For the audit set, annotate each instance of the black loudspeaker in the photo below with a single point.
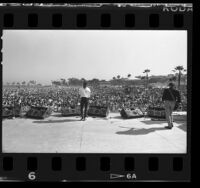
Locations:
(131, 113)
(156, 112)
(67, 111)
(99, 111)
(7, 111)
(38, 112)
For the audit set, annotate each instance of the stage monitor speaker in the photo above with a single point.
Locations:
(99, 111)
(16, 111)
(131, 113)
(180, 116)
(24, 110)
(156, 112)
(67, 111)
(7, 111)
(38, 112)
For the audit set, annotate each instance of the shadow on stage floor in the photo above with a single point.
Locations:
(134, 131)
(60, 115)
(151, 122)
(120, 117)
(182, 126)
(116, 117)
(57, 121)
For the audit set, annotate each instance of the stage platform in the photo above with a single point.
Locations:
(57, 134)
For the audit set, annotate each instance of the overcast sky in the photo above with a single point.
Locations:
(45, 55)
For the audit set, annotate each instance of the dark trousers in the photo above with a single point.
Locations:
(169, 106)
(84, 104)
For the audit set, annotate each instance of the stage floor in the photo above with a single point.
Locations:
(57, 134)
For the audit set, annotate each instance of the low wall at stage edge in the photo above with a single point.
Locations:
(180, 116)
(98, 111)
(159, 113)
(17, 111)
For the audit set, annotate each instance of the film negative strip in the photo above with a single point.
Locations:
(124, 54)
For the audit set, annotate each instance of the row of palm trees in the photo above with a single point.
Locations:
(178, 70)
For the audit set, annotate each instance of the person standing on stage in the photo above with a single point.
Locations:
(85, 95)
(171, 97)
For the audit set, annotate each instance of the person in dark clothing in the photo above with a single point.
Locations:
(85, 95)
(170, 96)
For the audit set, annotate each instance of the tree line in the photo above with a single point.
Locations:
(178, 74)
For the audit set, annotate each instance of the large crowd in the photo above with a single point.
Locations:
(114, 97)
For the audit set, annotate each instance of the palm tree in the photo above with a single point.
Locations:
(114, 78)
(147, 76)
(172, 79)
(129, 75)
(118, 76)
(179, 69)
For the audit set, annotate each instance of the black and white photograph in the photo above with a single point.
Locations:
(94, 91)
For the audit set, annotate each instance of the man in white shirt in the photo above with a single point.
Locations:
(85, 95)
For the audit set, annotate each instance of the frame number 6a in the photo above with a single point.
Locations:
(130, 176)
